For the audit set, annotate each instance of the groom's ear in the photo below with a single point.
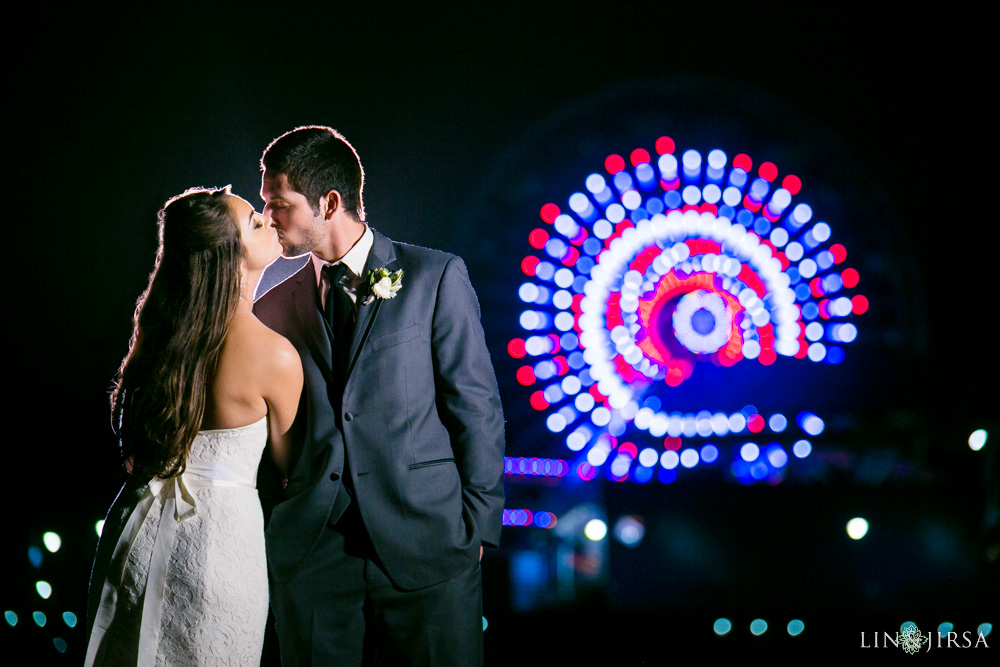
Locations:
(329, 204)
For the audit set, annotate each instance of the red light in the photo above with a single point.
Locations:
(664, 145)
(768, 171)
(816, 287)
(670, 185)
(556, 348)
(561, 366)
(549, 213)
(850, 277)
(767, 357)
(743, 161)
(526, 375)
(596, 393)
(756, 423)
(538, 401)
(537, 238)
(792, 183)
(572, 254)
(628, 449)
(839, 253)
(614, 163)
(674, 377)
(528, 265)
(708, 208)
(824, 309)
(585, 471)
(580, 237)
(515, 348)
(859, 304)
(749, 203)
(785, 262)
(671, 443)
(638, 156)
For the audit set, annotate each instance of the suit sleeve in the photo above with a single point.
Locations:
(468, 400)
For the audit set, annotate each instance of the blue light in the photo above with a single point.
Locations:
(758, 626)
(69, 618)
(555, 248)
(35, 557)
(832, 283)
(795, 627)
(810, 423)
(60, 644)
(726, 212)
(666, 476)
(672, 199)
(545, 370)
(810, 311)
(809, 241)
(692, 165)
(709, 453)
(758, 470)
(642, 475)
(579, 283)
(10, 617)
(545, 270)
(722, 626)
(592, 246)
(759, 188)
(39, 618)
(542, 519)
(576, 360)
(654, 205)
(638, 214)
(793, 274)
(553, 393)
(585, 264)
(653, 403)
(569, 341)
(802, 449)
(777, 422)
(801, 214)
(622, 181)
(802, 292)
(834, 355)
(646, 176)
(776, 456)
(945, 628)
(737, 178)
(985, 629)
(762, 226)
(744, 217)
(825, 259)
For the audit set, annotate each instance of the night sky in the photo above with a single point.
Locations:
(467, 121)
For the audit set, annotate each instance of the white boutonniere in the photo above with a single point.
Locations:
(383, 284)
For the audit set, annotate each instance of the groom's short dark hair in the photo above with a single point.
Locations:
(316, 159)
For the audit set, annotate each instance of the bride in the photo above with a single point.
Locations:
(180, 576)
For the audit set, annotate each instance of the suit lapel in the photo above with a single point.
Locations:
(382, 255)
(306, 297)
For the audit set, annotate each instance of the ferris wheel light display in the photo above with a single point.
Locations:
(661, 263)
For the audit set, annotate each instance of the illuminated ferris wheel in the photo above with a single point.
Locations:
(663, 263)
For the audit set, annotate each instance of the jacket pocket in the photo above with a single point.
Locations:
(424, 464)
(394, 338)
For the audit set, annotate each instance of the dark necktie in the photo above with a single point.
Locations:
(339, 310)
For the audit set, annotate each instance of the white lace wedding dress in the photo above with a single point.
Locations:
(187, 584)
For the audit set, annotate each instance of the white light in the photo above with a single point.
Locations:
(564, 277)
(821, 231)
(807, 268)
(712, 193)
(52, 541)
(777, 422)
(597, 455)
(794, 251)
(737, 422)
(691, 195)
(689, 458)
(556, 422)
(817, 352)
(615, 213)
(977, 440)
(528, 292)
(596, 530)
(631, 200)
(99, 527)
(584, 402)
(716, 159)
(814, 331)
(669, 459)
(564, 321)
(731, 196)
(668, 166)
(692, 160)
(579, 203)
(802, 214)
(603, 229)
(857, 528)
(562, 299)
(802, 449)
(596, 183)
(779, 236)
(749, 452)
(44, 589)
(601, 416)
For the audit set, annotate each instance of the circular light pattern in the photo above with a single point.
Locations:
(596, 530)
(977, 440)
(857, 528)
(658, 265)
(795, 627)
(758, 626)
(52, 541)
(722, 626)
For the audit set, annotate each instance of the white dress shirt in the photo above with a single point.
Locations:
(354, 260)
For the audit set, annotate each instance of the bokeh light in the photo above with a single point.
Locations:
(722, 626)
(795, 627)
(857, 528)
(977, 440)
(596, 530)
(52, 541)
(758, 626)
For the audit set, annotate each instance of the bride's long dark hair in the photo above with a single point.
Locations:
(179, 325)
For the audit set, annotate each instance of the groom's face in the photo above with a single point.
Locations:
(300, 227)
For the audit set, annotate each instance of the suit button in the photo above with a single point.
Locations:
(334, 476)
(348, 416)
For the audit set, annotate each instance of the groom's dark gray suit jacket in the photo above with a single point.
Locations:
(419, 420)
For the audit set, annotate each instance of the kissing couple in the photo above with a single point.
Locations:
(355, 400)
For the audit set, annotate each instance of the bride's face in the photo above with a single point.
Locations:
(259, 238)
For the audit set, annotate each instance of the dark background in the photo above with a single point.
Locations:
(468, 120)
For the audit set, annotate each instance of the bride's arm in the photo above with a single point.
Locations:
(281, 392)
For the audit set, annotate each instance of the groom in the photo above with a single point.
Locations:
(398, 483)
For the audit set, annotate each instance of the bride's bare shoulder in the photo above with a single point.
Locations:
(251, 340)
